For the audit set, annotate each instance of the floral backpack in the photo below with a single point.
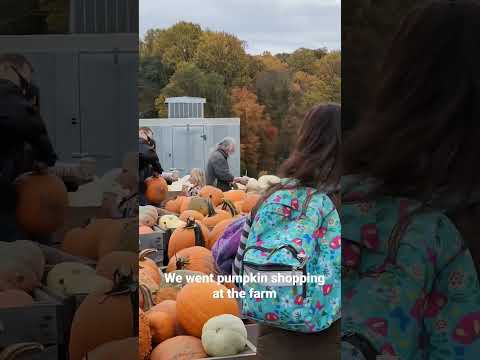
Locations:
(295, 236)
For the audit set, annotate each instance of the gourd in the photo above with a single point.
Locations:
(187, 214)
(70, 278)
(224, 335)
(147, 215)
(214, 194)
(156, 191)
(179, 347)
(234, 195)
(144, 336)
(162, 326)
(195, 258)
(117, 260)
(250, 202)
(193, 233)
(196, 304)
(218, 231)
(14, 298)
(41, 205)
(118, 349)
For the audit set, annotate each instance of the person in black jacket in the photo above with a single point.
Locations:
(24, 142)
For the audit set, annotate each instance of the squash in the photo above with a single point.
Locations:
(170, 222)
(81, 242)
(250, 202)
(196, 305)
(41, 205)
(194, 258)
(166, 293)
(149, 265)
(147, 215)
(224, 335)
(220, 215)
(70, 278)
(212, 193)
(144, 336)
(234, 195)
(175, 204)
(199, 204)
(143, 230)
(191, 214)
(192, 234)
(218, 231)
(169, 307)
(15, 275)
(27, 253)
(14, 298)
(113, 235)
(104, 317)
(162, 326)
(117, 260)
(179, 347)
(156, 191)
(145, 279)
(118, 349)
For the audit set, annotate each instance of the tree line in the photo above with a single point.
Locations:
(269, 93)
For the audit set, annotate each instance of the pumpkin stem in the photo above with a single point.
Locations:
(146, 252)
(181, 263)
(191, 223)
(228, 205)
(147, 297)
(199, 240)
(211, 208)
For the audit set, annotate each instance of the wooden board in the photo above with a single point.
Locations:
(157, 240)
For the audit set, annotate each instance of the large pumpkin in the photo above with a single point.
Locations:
(162, 326)
(42, 202)
(218, 231)
(103, 317)
(250, 202)
(118, 349)
(213, 193)
(144, 336)
(194, 258)
(179, 347)
(193, 233)
(117, 260)
(156, 191)
(234, 195)
(166, 293)
(197, 303)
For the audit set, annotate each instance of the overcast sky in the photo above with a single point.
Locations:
(266, 25)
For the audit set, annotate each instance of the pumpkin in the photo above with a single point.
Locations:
(195, 258)
(144, 336)
(162, 326)
(199, 204)
(213, 193)
(218, 231)
(238, 206)
(187, 214)
(104, 317)
(169, 307)
(193, 233)
(234, 195)
(196, 304)
(145, 298)
(220, 215)
(70, 278)
(42, 201)
(175, 204)
(156, 191)
(179, 347)
(185, 204)
(224, 335)
(113, 235)
(27, 253)
(117, 260)
(149, 265)
(15, 275)
(166, 293)
(80, 242)
(143, 230)
(145, 279)
(147, 215)
(170, 222)
(118, 349)
(253, 186)
(14, 298)
(250, 202)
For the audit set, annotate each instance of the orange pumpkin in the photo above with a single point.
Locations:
(234, 195)
(162, 326)
(211, 192)
(109, 235)
(238, 206)
(144, 336)
(220, 215)
(117, 260)
(194, 258)
(250, 202)
(118, 349)
(168, 293)
(146, 301)
(196, 304)
(156, 191)
(169, 307)
(218, 231)
(42, 202)
(179, 347)
(185, 204)
(143, 229)
(187, 214)
(194, 233)
(14, 298)
(149, 265)
(174, 204)
(80, 242)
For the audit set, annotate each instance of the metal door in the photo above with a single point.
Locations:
(188, 148)
(163, 138)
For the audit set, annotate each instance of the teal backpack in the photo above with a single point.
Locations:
(291, 262)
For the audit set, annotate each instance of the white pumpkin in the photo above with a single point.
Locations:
(16, 275)
(266, 181)
(171, 222)
(71, 278)
(224, 335)
(27, 255)
(148, 215)
(253, 186)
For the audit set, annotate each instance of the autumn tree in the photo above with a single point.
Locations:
(272, 63)
(224, 54)
(153, 76)
(303, 60)
(273, 91)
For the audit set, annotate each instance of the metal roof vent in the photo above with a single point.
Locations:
(185, 107)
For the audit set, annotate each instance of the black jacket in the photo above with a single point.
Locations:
(218, 171)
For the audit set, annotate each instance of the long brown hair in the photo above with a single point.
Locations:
(316, 158)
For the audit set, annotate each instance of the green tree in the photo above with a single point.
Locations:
(273, 91)
(303, 60)
(224, 54)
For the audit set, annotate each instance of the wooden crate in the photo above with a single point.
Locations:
(250, 352)
(49, 353)
(157, 240)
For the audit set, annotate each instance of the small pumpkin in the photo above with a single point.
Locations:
(143, 230)
(224, 335)
(214, 194)
(118, 349)
(191, 214)
(156, 191)
(234, 195)
(218, 231)
(162, 326)
(219, 216)
(196, 304)
(194, 258)
(174, 204)
(144, 336)
(170, 222)
(41, 205)
(166, 293)
(14, 298)
(193, 233)
(238, 206)
(117, 260)
(179, 347)
(250, 202)
(149, 265)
